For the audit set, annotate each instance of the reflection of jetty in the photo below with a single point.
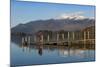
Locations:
(62, 50)
(60, 38)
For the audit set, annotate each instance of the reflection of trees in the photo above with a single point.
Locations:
(40, 49)
(64, 51)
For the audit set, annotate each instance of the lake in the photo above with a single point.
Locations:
(33, 54)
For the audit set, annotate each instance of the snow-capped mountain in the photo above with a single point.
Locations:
(64, 22)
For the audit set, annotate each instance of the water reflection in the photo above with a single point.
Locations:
(63, 50)
(40, 49)
(25, 52)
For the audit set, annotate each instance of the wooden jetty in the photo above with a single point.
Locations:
(61, 38)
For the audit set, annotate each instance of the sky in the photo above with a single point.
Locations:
(23, 12)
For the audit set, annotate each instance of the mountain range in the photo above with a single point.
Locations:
(68, 24)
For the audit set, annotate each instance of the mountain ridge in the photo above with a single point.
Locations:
(54, 25)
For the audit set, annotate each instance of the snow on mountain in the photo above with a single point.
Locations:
(75, 16)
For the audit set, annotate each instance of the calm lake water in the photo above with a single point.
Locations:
(36, 54)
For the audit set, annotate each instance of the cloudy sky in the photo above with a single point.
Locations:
(23, 12)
